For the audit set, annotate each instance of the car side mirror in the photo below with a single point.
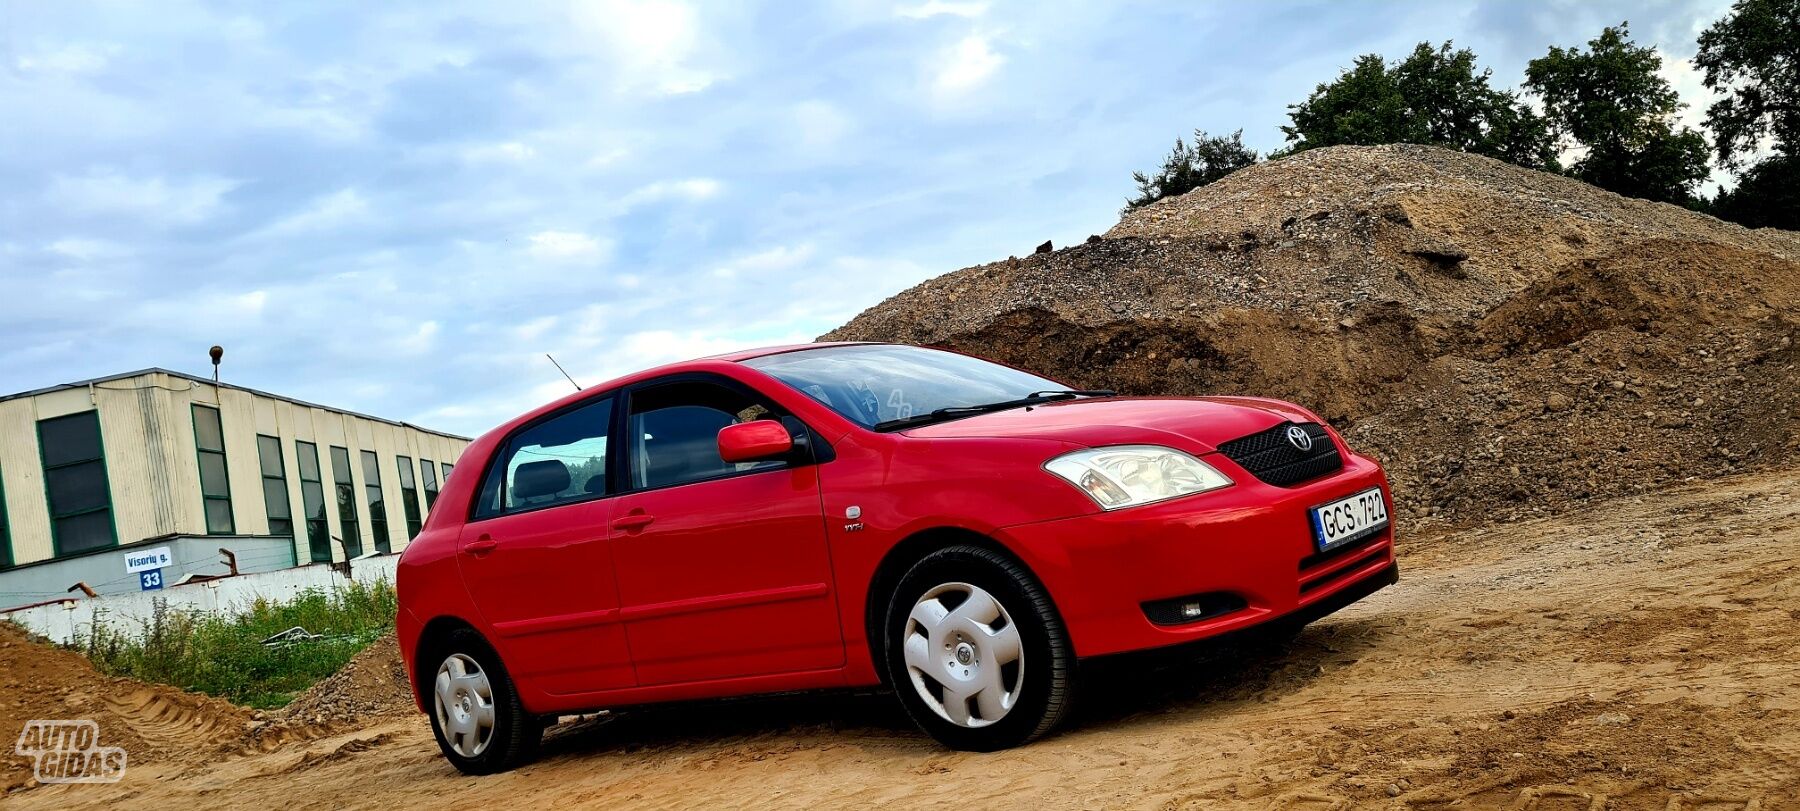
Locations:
(757, 441)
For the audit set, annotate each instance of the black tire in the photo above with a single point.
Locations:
(1045, 675)
(516, 733)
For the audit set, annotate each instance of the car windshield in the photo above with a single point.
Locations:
(876, 385)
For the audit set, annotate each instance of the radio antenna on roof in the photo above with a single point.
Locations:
(565, 372)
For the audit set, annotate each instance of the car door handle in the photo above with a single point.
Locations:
(633, 522)
(480, 546)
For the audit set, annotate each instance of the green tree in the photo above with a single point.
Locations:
(1767, 195)
(1609, 101)
(1433, 96)
(1752, 58)
(1190, 167)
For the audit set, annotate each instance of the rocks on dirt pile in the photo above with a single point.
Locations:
(372, 685)
(1508, 342)
(152, 722)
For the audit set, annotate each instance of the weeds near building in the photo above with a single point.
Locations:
(223, 653)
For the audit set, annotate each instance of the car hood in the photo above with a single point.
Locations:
(1196, 424)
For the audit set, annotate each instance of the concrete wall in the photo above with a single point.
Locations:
(146, 425)
(105, 572)
(63, 622)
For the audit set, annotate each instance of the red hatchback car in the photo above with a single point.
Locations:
(852, 515)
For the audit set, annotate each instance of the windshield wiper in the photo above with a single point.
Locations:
(950, 412)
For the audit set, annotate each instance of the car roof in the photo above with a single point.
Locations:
(748, 354)
(695, 364)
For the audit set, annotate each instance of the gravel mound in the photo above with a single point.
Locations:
(372, 685)
(1508, 342)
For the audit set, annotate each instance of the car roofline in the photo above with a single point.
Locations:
(741, 355)
(693, 364)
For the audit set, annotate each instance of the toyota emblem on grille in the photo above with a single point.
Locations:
(1297, 437)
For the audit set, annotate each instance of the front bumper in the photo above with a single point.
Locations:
(1252, 540)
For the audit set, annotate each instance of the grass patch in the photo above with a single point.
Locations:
(222, 654)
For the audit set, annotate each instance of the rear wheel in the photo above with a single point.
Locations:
(476, 716)
(976, 651)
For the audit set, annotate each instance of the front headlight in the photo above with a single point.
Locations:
(1129, 475)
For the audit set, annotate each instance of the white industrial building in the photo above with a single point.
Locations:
(154, 461)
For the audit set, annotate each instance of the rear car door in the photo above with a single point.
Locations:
(535, 555)
(723, 568)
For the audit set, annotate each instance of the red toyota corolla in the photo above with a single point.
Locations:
(845, 515)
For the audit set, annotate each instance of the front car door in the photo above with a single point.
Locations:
(535, 554)
(723, 568)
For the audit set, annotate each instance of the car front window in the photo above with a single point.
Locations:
(876, 384)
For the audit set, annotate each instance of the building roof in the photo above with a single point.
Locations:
(157, 370)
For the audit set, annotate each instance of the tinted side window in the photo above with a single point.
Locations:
(558, 460)
(674, 430)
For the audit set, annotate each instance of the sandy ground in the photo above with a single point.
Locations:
(1641, 652)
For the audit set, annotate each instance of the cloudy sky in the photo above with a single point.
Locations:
(398, 208)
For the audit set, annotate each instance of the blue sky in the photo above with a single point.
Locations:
(398, 208)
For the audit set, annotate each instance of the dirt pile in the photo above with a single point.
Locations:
(151, 722)
(1509, 342)
(372, 685)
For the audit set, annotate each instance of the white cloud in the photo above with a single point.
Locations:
(936, 8)
(608, 157)
(72, 59)
(567, 246)
(326, 213)
(251, 303)
(780, 258)
(85, 250)
(421, 340)
(1689, 83)
(107, 191)
(507, 152)
(535, 328)
(651, 41)
(691, 189)
(820, 124)
(966, 65)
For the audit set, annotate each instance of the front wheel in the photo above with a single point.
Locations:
(476, 716)
(976, 651)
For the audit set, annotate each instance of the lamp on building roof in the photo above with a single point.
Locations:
(216, 353)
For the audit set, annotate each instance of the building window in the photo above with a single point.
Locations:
(447, 468)
(215, 481)
(345, 486)
(75, 483)
(378, 513)
(428, 477)
(409, 496)
(274, 485)
(312, 502)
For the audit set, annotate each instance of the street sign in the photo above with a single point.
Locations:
(150, 580)
(158, 558)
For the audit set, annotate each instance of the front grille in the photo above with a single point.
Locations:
(1270, 457)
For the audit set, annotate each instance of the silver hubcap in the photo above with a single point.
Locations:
(465, 705)
(964, 655)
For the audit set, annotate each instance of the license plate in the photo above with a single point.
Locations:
(1349, 520)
